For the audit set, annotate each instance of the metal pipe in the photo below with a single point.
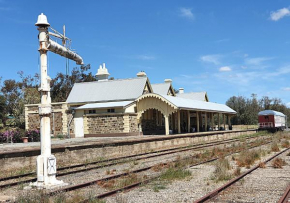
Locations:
(65, 52)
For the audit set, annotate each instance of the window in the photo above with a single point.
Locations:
(110, 110)
(92, 111)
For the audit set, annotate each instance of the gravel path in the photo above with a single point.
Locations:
(196, 186)
(263, 185)
(179, 191)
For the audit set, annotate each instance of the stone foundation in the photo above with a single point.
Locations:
(74, 153)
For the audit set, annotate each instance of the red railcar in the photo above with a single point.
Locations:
(272, 120)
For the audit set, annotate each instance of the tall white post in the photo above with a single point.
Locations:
(46, 162)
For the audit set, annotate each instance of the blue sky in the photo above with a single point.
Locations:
(223, 47)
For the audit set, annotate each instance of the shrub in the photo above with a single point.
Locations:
(11, 135)
(33, 135)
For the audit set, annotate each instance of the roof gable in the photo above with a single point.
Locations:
(163, 89)
(201, 96)
(110, 90)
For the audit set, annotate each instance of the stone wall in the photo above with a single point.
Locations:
(133, 123)
(32, 119)
(105, 124)
(76, 153)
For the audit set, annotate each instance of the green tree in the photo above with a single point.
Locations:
(2, 109)
(62, 84)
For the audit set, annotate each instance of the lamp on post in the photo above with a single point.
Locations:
(46, 162)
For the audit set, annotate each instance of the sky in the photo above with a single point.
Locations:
(226, 48)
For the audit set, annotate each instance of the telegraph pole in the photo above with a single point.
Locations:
(46, 162)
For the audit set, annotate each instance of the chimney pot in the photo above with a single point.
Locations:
(168, 81)
(181, 90)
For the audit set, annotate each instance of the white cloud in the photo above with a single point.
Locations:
(286, 88)
(187, 13)
(257, 61)
(222, 40)
(225, 69)
(214, 58)
(288, 104)
(145, 57)
(281, 13)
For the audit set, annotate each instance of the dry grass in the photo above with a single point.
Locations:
(275, 147)
(278, 163)
(247, 158)
(237, 172)
(285, 144)
(262, 165)
(221, 170)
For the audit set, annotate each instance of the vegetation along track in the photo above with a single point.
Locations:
(233, 181)
(184, 162)
(119, 160)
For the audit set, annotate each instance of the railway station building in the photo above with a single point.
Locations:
(131, 106)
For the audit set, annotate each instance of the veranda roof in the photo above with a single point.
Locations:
(190, 104)
(105, 105)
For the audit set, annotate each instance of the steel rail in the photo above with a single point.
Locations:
(166, 152)
(86, 184)
(119, 158)
(286, 196)
(196, 147)
(231, 182)
(110, 193)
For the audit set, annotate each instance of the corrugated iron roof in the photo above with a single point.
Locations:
(198, 105)
(110, 90)
(270, 112)
(105, 105)
(161, 88)
(193, 95)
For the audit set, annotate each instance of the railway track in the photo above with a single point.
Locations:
(119, 160)
(112, 192)
(286, 196)
(224, 187)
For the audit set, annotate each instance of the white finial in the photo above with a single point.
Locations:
(102, 73)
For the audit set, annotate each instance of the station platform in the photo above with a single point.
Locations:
(61, 145)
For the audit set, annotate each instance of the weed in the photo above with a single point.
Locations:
(175, 174)
(285, 144)
(221, 170)
(91, 198)
(262, 165)
(32, 197)
(60, 198)
(247, 158)
(159, 186)
(278, 163)
(275, 147)
(237, 172)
